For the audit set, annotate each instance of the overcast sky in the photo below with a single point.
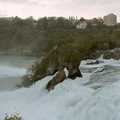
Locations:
(39, 8)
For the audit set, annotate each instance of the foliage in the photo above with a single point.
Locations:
(116, 32)
(34, 37)
(13, 117)
(74, 44)
(102, 42)
(31, 75)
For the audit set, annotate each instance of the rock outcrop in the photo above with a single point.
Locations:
(113, 54)
(67, 56)
(48, 66)
(60, 76)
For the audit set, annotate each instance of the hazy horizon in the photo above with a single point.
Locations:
(79, 8)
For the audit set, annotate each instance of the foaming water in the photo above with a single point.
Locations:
(11, 71)
(103, 104)
(71, 99)
(12, 68)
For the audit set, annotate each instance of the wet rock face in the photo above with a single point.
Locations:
(74, 73)
(114, 55)
(68, 59)
(92, 63)
(60, 76)
(106, 54)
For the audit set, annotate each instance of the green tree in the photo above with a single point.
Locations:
(43, 23)
(51, 23)
(60, 22)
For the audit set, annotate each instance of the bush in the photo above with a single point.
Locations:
(13, 117)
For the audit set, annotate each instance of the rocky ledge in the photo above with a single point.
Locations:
(67, 56)
(108, 54)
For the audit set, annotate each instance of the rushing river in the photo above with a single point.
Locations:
(12, 68)
(95, 96)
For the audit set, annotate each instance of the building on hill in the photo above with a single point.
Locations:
(81, 25)
(110, 19)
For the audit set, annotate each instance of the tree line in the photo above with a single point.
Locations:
(37, 36)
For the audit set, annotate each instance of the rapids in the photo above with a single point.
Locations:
(95, 96)
(12, 68)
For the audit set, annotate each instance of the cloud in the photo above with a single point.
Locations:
(14, 1)
(81, 8)
(33, 3)
(94, 2)
(3, 13)
(87, 7)
(87, 3)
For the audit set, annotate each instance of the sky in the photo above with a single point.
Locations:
(87, 9)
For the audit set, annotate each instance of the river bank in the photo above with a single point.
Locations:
(20, 52)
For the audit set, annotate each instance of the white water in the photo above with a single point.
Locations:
(12, 68)
(11, 71)
(96, 96)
